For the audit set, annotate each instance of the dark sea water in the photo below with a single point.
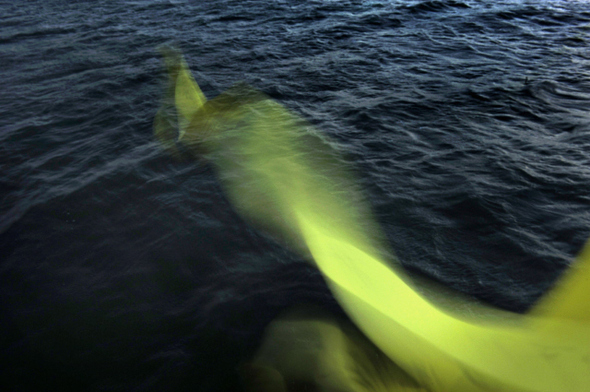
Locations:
(122, 269)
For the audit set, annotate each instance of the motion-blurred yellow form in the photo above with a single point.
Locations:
(285, 177)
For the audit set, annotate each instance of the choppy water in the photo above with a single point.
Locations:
(122, 269)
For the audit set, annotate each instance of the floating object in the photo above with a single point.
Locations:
(286, 178)
(308, 349)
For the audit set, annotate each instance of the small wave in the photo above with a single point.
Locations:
(36, 33)
(435, 6)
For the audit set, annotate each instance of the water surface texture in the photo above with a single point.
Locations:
(123, 269)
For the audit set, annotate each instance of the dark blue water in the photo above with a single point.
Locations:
(123, 269)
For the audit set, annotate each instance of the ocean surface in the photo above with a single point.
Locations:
(123, 269)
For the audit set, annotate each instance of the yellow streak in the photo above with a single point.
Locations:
(286, 178)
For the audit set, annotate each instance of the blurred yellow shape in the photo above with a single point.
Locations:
(308, 350)
(286, 178)
(182, 99)
(570, 298)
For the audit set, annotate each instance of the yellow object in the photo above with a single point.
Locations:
(570, 299)
(282, 175)
(183, 98)
(306, 349)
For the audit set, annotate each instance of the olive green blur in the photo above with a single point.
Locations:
(288, 179)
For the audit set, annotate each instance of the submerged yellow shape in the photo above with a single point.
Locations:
(285, 177)
(570, 298)
(306, 349)
(182, 99)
